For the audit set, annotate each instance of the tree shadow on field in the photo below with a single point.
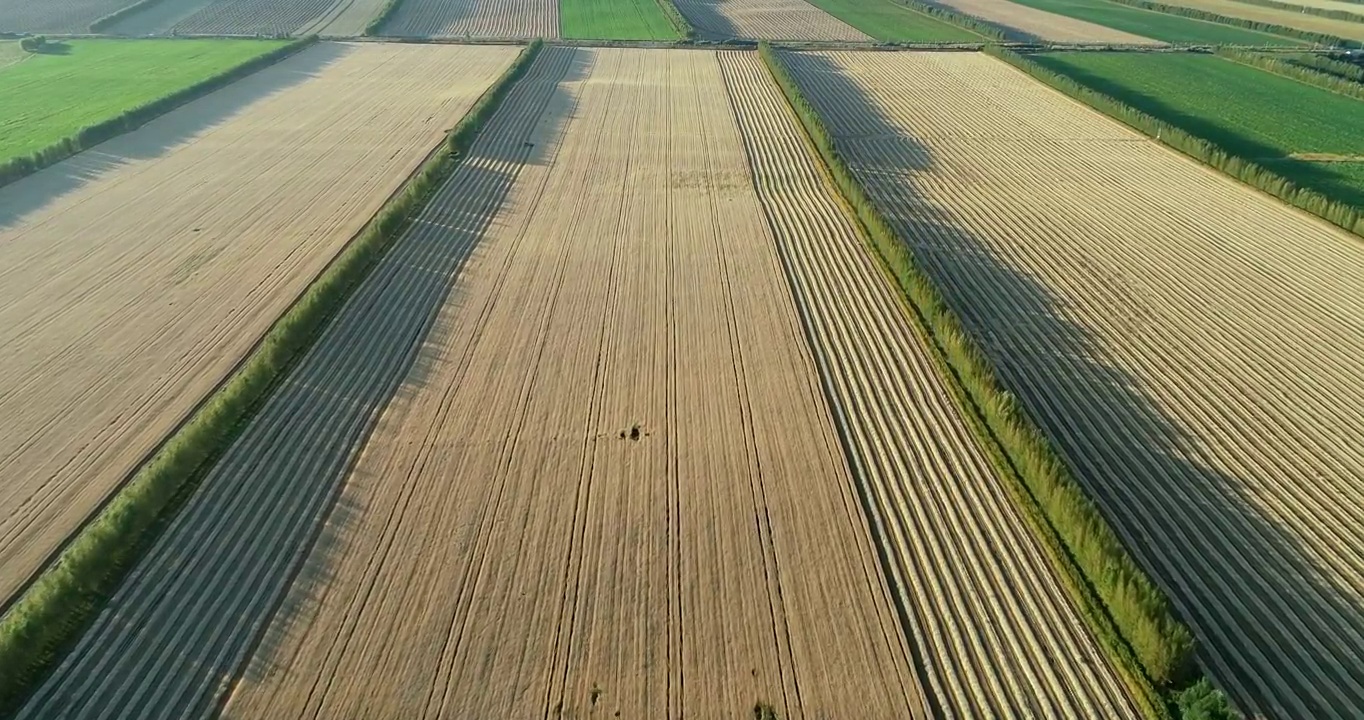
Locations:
(160, 136)
(708, 19)
(1244, 583)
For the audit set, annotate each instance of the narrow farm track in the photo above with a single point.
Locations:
(611, 484)
(55, 16)
(765, 20)
(1033, 23)
(1192, 346)
(134, 276)
(475, 19)
(997, 635)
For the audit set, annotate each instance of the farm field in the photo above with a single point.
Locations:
(765, 20)
(95, 80)
(55, 16)
(891, 21)
(952, 534)
(614, 20)
(1157, 25)
(1287, 18)
(1355, 8)
(1273, 120)
(1030, 22)
(135, 275)
(475, 19)
(607, 477)
(338, 18)
(1188, 343)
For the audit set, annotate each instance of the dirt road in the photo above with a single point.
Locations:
(136, 274)
(1191, 345)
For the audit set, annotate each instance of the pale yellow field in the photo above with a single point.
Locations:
(1042, 24)
(475, 19)
(134, 276)
(1191, 345)
(1347, 29)
(765, 20)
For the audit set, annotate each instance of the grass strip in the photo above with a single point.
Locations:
(1204, 151)
(1196, 14)
(49, 617)
(1308, 10)
(614, 20)
(92, 135)
(377, 24)
(1292, 71)
(123, 12)
(1128, 613)
(1330, 66)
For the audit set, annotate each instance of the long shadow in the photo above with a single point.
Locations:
(1316, 176)
(216, 588)
(160, 136)
(1124, 448)
(709, 21)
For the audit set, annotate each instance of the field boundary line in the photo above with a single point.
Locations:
(1019, 451)
(380, 20)
(675, 18)
(1309, 10)
(1289, 71)
(1205, 152)
(1264, 27)
(129, 120)
(45, 619)
(121, 13)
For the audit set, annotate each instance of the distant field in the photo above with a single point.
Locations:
(1249, 112)
(891, 21)
(1350, 30)
(614, 20)
(1157, 25)
(58, 94)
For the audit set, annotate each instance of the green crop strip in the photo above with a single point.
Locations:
(1284, 135)
(49, 617)
(1156, 25)
(905, 22)
(1129, 615)
(617, 20)
(96, 89)
(1302, 35)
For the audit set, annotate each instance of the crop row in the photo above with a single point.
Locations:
(59, 604)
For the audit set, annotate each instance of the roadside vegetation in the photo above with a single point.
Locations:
(1131, 617)
(617, 20)
(1161, 26)
(49, 617)
(376, 26)
(95, 89)
(1292, 138)
(907, 21)
(1327, 64)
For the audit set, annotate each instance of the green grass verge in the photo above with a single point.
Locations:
(59, 605)
(1127, 612)
(615, 20)
(1157, 25)
(1252, 124)
(65, 103)
(892, 21)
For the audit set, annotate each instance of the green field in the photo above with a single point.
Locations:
(889, 21)
(53, 95)
(1248, 112)
(1157, 25)
(614, 20)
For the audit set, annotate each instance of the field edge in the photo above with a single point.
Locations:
(50, 613)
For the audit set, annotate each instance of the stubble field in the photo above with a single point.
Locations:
(55, 16)
(135, 275)
(340, 18)
(475, 19)
(1034, 23)
(765, 20)
(1186, 341)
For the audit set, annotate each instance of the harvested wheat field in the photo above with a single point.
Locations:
(996, 634)
(765, 20)
(1348, 29)
(136, 274)
(55, 16)
(1033, 23)
(474, 19)
(333, 18)
(606, 478)
(1190, 344)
